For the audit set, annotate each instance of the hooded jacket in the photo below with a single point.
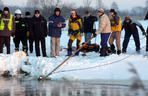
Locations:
(54, 30)
(131, 26)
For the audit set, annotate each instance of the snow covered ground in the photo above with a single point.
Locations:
(113, 67)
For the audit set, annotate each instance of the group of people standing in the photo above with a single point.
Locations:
(35, 29)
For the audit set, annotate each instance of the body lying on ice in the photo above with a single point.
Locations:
(77, 27)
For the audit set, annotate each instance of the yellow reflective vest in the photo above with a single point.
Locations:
(10, 23)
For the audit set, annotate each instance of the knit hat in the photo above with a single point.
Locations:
(112, 10)
(27, 13)
(36, 11)
(6, 9)
(57, 9)
(127, 17)
(101, 10)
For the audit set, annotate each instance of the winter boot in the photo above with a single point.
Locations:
(112, 47)
(77, 53)
(138, 50)
(109, 50)
(118, 52)
(69, 52)
(103, 52)
(147, 49)
(123, 50)
(16, 49)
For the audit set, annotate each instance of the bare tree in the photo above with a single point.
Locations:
(99, 4)
(146, 4)
(87, 3)
(115, 6)
(33, 3)
(1, 3)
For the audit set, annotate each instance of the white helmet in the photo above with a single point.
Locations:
(18, 11)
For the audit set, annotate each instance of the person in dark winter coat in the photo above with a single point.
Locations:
(130, 27)
(146, 18)
(39, 31)
(7, 28)
(20, 32)
(88, 25)
(56, 23)
(75, 30)
(28, 21)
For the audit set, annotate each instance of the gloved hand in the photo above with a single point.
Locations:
(94, 35)
(144, 33)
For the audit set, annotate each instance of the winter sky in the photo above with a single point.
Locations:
(121, 3)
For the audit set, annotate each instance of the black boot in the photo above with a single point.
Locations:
(77, 53)
(69, 51)
(138, 49)
(112, 47)
(103, 52)
(118, 52)
(147, 49)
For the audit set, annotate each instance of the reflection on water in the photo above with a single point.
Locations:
(19, 87)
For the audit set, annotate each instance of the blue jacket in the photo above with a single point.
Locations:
(54, 30)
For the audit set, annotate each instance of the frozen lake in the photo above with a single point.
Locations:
(29, 87)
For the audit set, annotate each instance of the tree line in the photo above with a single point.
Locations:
(47, 6)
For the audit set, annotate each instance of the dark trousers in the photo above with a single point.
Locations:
(127, 38)
(147, 40)
(104, 39)
(30, 45)
(5, 40)
(23, 40)
(37, 46)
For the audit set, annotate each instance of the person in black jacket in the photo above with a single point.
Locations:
(130, 27)
(39, 31)
(20, 31)
(30, 38)
(146, 18)
(89, 21)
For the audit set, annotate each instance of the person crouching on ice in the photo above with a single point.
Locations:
(130, 27)
(74, 31)
(105, 30)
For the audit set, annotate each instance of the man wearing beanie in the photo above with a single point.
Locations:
(104, 30)
(7, 28)
(56, 23)
(39, 32)
(30, 38)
